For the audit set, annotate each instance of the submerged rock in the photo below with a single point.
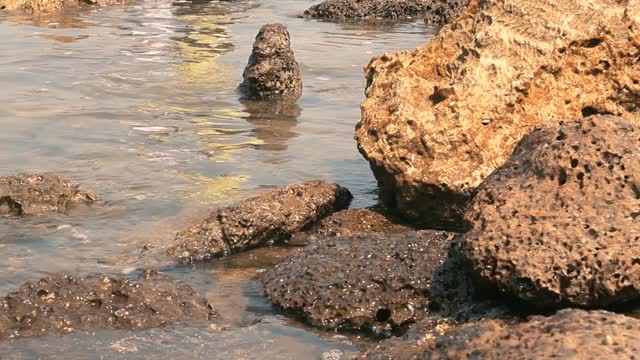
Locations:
(369, 282)
(44, 6)
(273, 216)
(569, 334)
(40, 194)
(437, 11)
(272, 71)
(438, 120)
(355, 221)
(559, 223)
(62, 304)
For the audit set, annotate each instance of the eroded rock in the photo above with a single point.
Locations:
(47, 6)
(62, 304)
(436, 11)
(569, 334)
(40, 194)
(369, 282)
(355, 221)
(270, 217)
(559, 223)
(272, 71)
(438, 120)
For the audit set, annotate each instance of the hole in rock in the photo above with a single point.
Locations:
(382, 315)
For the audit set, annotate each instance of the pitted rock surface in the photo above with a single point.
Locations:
(438, 120)
(40, 194)
(369, 282)
(569, 334)
(356, 221)
(437, 12)
(559, 223)
(271, 217)
(272, 71)
(47, 6)
(62, 304)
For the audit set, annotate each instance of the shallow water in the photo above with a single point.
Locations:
(138, 103)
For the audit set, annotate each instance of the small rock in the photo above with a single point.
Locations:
(40, 194)
(271, 217)
(61, 304)
(369, 282)
(272, 71)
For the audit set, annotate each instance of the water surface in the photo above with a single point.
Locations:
(138, 103)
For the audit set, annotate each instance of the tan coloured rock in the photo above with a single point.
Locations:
(46, 6)
(441, 118)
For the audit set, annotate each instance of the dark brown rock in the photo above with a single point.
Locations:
(444, 12)
(62, 304)
(355, 221)
(559, 222)
(271, 217)
(436, 11)
(569, 334)
(438, 120)
(272, 71)
(369, 282)
(40, 194)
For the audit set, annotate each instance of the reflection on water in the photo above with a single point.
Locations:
(139, 104)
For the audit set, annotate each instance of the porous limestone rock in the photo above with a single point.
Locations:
(438, 120)
(559, 223)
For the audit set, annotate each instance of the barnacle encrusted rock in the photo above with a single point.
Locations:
(438, 120)
(559, 222)
(40, 194)
(62, 304)
(569, 334)
(370, 282)
(436, 12)
(273, 216)
(272, 71)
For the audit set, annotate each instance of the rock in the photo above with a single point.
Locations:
(368, 282)
(272, 71)
(40, 194)
(569, 334)
(438, 120)
(444, 12)
(559, 223)
(352, 222)
(62, 304)
(436, 11)
(270, 217)
(47, 6)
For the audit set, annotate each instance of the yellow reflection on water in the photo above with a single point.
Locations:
(222, 189)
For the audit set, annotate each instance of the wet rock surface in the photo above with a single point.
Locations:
(352, 222)
(436, 11)
(438, 120)
(272, 71)
(270, 217)
(46, 6)
(569, 334)
(559, 223)
(62, 304)
(368, 282)
(40, 194)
